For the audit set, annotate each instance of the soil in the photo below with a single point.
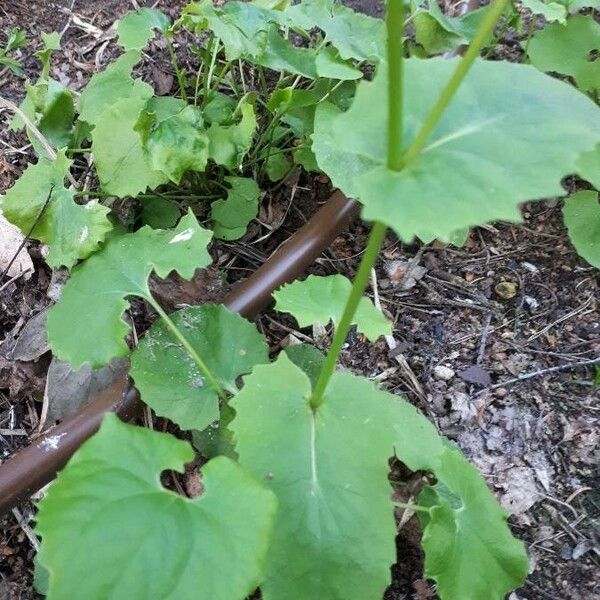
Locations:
(492, 341)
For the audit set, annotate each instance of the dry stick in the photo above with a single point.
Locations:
(4, 103)
(582, 363)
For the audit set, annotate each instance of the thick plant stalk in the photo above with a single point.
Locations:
(395, 30)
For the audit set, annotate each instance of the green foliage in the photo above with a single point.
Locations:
(588, 166)
(582, 218)
(169, 380)
(507, 151)
(566, 49)
(136, 28)
(16, 39)
(72, 231)
(232, 215)
(97, 290)
(551, 11)
(142, 539)
(321, 299)
(308, 358)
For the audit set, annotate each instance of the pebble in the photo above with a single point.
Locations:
(443, 373)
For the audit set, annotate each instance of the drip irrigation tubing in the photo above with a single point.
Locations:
(36, 465)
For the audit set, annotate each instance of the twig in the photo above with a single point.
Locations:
(484, 337)
(35, 131)
(33, 226)
(575, 365)
(26, 529)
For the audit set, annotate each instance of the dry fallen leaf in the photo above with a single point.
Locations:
(10, 240)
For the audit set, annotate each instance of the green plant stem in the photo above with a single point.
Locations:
(178, 71)
(455, 80)
(395, 53)
(211, 69)
(188, 347)
(413, 507)
(358, 287)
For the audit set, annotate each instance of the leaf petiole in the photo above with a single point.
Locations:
(413, 507)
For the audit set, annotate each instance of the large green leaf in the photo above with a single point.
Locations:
(228, 144)
(321, 299)
(582, 218)
(72, 231)
(109, 86)
(566, 49)
(551, 11)
(111, 530)
(136, 28)
(95, 296)
(232, 215)
(334, 532)
(588, 166)
(176, 142)
(123, 166)
(170, 381)
(495, 146)
(354, 34)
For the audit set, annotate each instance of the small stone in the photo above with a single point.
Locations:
(506, 289)
(500, 392)
(443, 373)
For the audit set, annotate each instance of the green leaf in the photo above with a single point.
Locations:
(51, 42)
(143, 540)
(136, 28)
(588, 166)
(219, 109)
(334, 531)
(321, 299)
(97, 290)
(232, 215)
(16, 39)
(110, 86)
(71, 231)
(492, 149)
(582, 218)
(329, 64)
(355, 35)
(123, 167)
(168, 378)
(176, 143)
(228, 144)
(159, 213)
(277, 165)
(280, 54)
(308, 358)
(551, 11)
(305, 157)
(566, 49)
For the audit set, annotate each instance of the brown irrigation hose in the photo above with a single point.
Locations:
(35, 466)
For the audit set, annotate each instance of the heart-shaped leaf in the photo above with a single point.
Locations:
(321, 299)
(232, 215)
(493, 148)
(95, 295)
(72, 231)
(582, 218)
(136, 28)
(169, 380)
(110, 529)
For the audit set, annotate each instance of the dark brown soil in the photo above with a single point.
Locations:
(515, 302)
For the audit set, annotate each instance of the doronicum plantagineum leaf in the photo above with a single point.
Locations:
(174, 137)
(582, 218)
(588, 166)
(328, 469)
(72, 231)
(232, 215)
(111, 530)
(136, 28)
(322, 299)
(334, 531)
(354, 34)
(168, 378)
(111, 85)
(566, 49)
(551, 11)
(124, 168)
(496, 145)
(86, 325)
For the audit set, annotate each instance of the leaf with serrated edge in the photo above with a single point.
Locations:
(71, 231)
(321, 299)
(169, 380)
(232, 215)
(136, 28)
(334, 531)
(110, 529)
(96, 293)
(124, 169)
(582, 218)
(566, 49)
(109, 86)
(493, 148)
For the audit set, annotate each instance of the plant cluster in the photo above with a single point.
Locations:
(295, 496)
